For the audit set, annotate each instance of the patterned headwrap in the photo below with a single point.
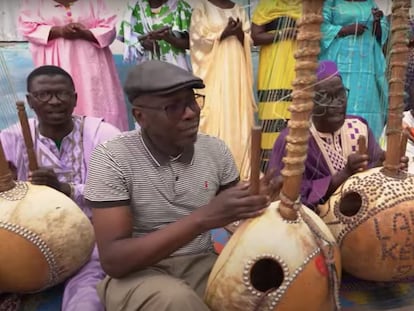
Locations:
(327, 69)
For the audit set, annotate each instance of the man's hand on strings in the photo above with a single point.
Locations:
(270, 185)
(357, 162)
(404, 163)
(47, 177)
(230, 205)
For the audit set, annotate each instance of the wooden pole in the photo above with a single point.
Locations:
(255, 160)
(6, 178)
(306, 56)
(27, 136)
(397, 68)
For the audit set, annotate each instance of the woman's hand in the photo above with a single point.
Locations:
(353, 29)
(377, 14)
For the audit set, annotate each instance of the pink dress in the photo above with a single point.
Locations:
(90, 64)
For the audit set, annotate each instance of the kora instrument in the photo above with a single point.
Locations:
(285, 259)
(271, 263)
(44, 238)
(372, 217)
(44, 235)
(372, 213)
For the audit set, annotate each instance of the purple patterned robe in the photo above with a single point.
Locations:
(70, 164)
(317, 175)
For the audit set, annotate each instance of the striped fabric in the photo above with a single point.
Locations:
(123, 171)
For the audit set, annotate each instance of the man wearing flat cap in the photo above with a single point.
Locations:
(157, 192)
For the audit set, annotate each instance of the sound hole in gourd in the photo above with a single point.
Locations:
(266, 274)
(350, 204)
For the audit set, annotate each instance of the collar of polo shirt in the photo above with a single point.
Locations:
(161, 158)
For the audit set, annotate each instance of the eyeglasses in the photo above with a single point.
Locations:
(323, 98)
(176, 110)
(46, 96)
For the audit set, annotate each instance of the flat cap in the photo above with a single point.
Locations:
(155, 77)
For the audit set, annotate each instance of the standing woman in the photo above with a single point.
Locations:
(156, 29)
(354, 33)
(220, 46)
(75, 35)
(274, 30)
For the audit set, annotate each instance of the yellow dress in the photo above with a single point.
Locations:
(276, 71)
(226, 68)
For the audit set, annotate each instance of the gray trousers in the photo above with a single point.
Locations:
(173, 284)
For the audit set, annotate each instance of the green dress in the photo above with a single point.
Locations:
(140, 19)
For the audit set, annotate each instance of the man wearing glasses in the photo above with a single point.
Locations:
(156, 194)
(63, 144)
(333, 145)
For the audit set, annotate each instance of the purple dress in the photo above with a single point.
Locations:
(317, 175)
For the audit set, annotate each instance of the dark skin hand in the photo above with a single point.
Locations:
(357, 163)
(261, 37)
(227, 207)
(72, 31)
(270, 185)
(165, 34)
(377, 13)
(351, 30)
(114, 227)
(47, 177)
(359, 29)
(150, 44)
(376, 29)
(233, 28)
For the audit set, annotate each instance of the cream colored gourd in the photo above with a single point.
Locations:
(272, 264)
(372, 217)
(44, 238)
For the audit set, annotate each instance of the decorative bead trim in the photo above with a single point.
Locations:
(17, 193)
(298, 220)
(41, 245)
(375, 186)
(276, 295)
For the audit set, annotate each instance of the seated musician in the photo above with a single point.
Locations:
(157, 192)
(63, 144)
(333, 145)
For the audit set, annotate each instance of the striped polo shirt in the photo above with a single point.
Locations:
(128, 170)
